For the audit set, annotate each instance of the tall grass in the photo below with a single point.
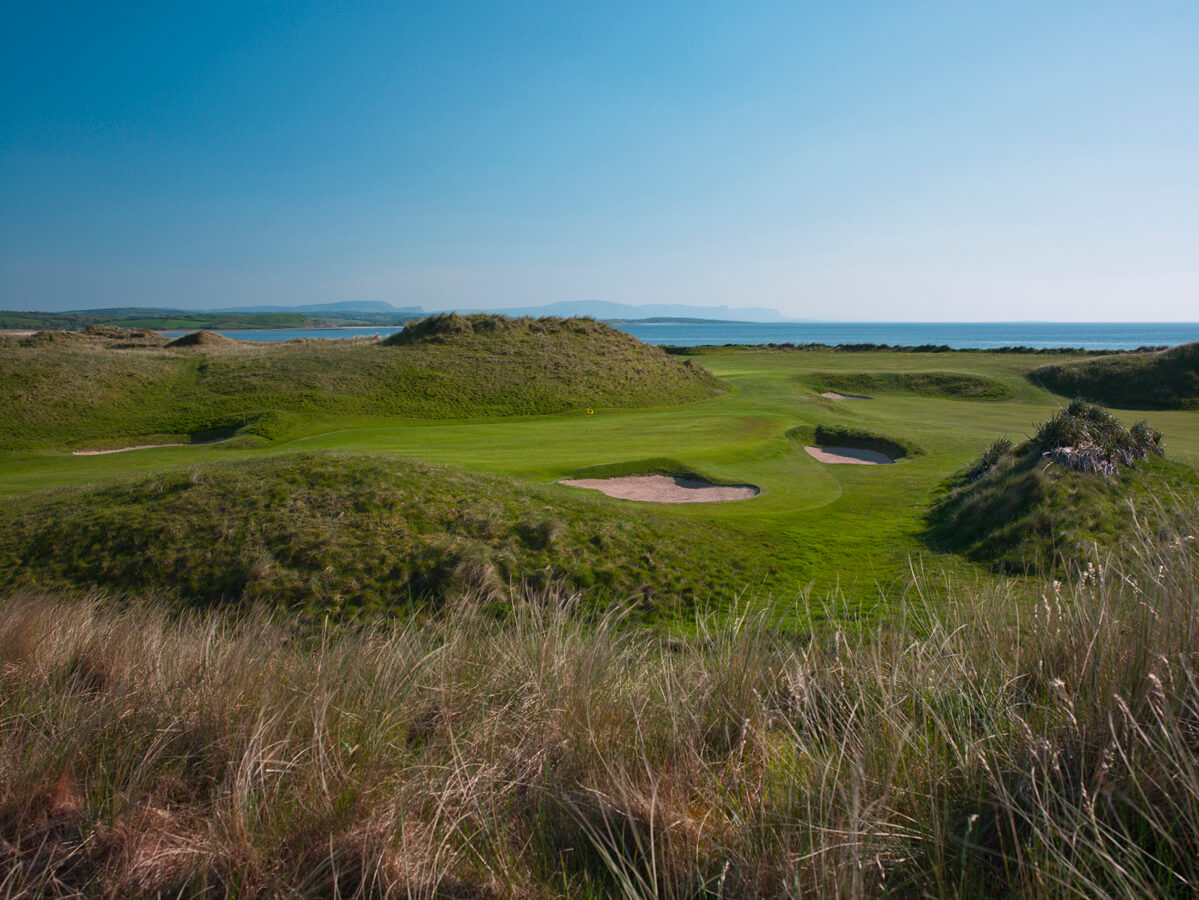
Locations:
(988, 746)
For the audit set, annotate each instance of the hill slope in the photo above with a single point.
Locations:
(325, 532)
(72, 389)
(1168, 379)
(1083, 480)
(951, 385)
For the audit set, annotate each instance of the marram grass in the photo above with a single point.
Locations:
(993, 745)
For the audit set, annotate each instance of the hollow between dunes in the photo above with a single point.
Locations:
(664, 489)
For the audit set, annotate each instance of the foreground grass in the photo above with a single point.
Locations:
(987, 747)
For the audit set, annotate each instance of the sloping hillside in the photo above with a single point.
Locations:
(1167, 379)
(331, 532)
(1083, 480)
(76, 389)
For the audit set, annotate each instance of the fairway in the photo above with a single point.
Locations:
(853, 527)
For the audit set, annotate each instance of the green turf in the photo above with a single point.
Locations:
(818, 525)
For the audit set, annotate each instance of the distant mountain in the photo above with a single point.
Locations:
(602, 309)
(378, 312)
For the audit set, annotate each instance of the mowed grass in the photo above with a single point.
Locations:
(859, 528)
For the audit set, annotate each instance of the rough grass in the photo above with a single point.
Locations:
(987, 747)
(338, 534)
(203, 339)
(1168, 379)
(1081, 480)
(950, 385)
(74, 389)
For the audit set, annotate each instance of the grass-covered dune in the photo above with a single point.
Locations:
(328, 533)
(950, 385)
(80, 389)
(1168, 379)
(1082, 481)
(958, 750)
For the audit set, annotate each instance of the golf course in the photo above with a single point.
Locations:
(525, 607)
(451, 456)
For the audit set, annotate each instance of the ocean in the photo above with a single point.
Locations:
(983, 335)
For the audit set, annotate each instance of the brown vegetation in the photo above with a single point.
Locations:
(956, 751)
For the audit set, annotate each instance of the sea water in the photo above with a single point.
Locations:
(958, 335)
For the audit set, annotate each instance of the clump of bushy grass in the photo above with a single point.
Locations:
(998, 743)
(1087, 438)
(998, 449)
(1071, 485)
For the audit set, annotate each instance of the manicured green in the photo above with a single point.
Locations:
(1168, 379)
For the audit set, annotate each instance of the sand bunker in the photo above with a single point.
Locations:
(122, 449)
(849, 455)
(835, 395)
(665, 489)
(146, 447)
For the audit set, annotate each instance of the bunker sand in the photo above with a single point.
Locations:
(664, 489)
(849, 456)
(146, 447)
(836, 395)
(122, 449)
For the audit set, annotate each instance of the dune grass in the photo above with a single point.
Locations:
(980, 747)
(957, 385)
(88, 390)
(1082, 480)
(345, 535)
(1166, 379)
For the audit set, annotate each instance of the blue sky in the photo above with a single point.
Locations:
(885, 161)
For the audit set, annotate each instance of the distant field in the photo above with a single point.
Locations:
(517, 409)
(148, 318)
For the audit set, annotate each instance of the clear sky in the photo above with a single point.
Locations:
(838, 160)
